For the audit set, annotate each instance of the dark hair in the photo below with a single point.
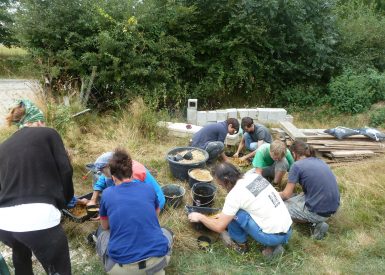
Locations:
(301, 148)
(121, 164)
(234, 122)
(228, 174)
(246, 122)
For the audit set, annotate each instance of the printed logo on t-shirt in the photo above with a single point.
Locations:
(257, 185)
(274, 199)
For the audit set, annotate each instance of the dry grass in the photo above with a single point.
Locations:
(354, 245)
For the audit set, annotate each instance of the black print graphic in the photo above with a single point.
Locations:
(257, 185)
(274, 199)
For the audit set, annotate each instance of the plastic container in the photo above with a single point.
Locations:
(174, 194)
(67, 213)
(203, 210)
(180, 169)
(192, 179)
(203, 194)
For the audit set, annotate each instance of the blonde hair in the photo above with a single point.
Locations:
(278, 148)
(15, 114)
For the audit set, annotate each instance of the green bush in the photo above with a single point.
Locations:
(377, 118)
(354, 92)
(300, 96)
(212, 50)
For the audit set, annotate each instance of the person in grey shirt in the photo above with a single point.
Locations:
(254, 135)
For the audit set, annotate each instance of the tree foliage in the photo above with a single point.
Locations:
(219, 51)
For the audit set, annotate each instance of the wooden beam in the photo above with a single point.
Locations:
(292, 131)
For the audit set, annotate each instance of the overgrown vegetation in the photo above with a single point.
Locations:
(265, 53)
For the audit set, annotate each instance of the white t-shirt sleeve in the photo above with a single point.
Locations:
(232, 203)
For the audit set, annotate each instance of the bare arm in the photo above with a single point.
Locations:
(224, 157)
(94, 198)
(157, 211)
(288, 191)
(260, 142)
(240, 147)
(105, 224)
(278, 176)
(258, 171)
(217, 224)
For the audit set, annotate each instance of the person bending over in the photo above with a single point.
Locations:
(104, 180)
(320, 198)
(212, 138)
(252, 208)
(35, 184)
(272, 161)
(130, 239)
(254, 135)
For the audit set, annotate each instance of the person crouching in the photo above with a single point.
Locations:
(252, 207)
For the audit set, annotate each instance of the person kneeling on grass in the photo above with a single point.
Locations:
(321, 197)
(272, 161)
(104, 179)
(132, 241)
(252, 207)
(212, 138)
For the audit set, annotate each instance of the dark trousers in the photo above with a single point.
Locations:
(50, 246)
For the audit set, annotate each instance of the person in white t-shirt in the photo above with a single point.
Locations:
(252, 207)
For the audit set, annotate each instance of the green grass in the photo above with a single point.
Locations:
(355, 243)
(15, 63)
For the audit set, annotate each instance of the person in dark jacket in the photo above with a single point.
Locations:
(35, 184)
(212, 138)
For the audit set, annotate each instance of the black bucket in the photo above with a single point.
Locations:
(203, 194)
(192, 180)
(179, 169)
(174, 194)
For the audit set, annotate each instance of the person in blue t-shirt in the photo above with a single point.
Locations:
(320, 198)
(104, 179)
(212, 137)
(132, 241)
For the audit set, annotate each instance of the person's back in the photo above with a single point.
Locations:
(318, 183)
(261, 133)
(135, 230)
(210, 133)
(259, 198)
(33, 160)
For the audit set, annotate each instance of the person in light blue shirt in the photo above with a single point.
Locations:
(104, 179)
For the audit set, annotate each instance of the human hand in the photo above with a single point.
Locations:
(236, 155)
(194, 217)
(244, 158)
(91, 202)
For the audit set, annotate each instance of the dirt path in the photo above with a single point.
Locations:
(11, 89)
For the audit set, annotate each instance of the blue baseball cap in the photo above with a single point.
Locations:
(101, 162)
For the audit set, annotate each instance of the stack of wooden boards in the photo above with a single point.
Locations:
(337, 150)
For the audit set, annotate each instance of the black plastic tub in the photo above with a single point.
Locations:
(203, 210)
(67, 213)
(179, 169)
(174, 194)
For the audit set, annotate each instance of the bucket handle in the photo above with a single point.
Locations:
(192, 197)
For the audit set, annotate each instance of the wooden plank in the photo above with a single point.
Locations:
(343, 154)
(292, 131)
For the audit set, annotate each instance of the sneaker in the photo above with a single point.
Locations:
(276, 251)
(239, 247)
(320, 230)
(91, 239)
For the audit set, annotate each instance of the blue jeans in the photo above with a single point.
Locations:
(214, 149)
(250, 144)
(243, 225)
